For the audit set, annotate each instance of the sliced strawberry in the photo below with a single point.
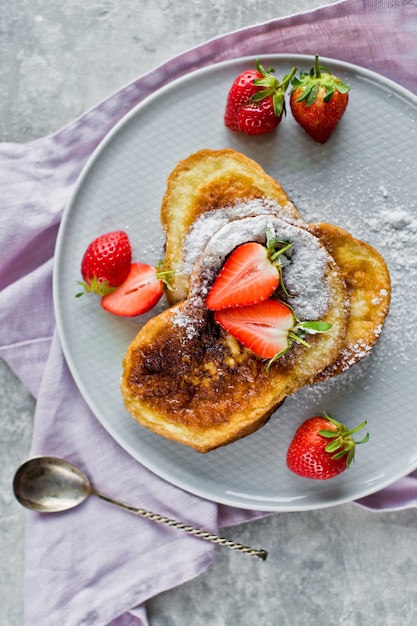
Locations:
(247, 277)
(264, 327)
(141, 290)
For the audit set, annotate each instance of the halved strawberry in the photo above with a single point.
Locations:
(268, 327)
(141, 290)
(247, 277)
(264, 327)
(251, 274)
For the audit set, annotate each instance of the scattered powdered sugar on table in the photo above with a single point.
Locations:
(147, 239)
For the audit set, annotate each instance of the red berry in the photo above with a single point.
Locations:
(106, 262)
(247, 277)
(322, 448)
(142, 289)
(255, 103)
(263, 327)
(318, 101)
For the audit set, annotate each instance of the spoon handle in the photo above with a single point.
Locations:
(196, 532)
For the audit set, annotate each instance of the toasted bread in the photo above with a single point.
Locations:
(369, 287)
(218, 186)
(187, 379)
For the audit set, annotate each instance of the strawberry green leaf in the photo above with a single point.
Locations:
(334, 445)
(315, 327)
(341, 87)
(167, 276)
(274, 88)
(319, 77)
(101, 288)
(342, 442)
(330, 434)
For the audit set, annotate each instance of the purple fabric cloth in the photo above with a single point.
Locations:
(100, 568)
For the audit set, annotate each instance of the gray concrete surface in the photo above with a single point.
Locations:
(343, 565)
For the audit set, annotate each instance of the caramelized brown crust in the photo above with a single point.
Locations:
(369, 287)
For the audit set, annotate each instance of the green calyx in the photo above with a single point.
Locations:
(311, 82)
(166, 276)
(341, 440)
(273, 87)
(297, 334)
(311, 328)
(101, 288)
(275, 248)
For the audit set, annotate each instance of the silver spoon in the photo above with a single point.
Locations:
(48, 485)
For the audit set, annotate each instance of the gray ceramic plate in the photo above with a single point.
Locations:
(363, 179)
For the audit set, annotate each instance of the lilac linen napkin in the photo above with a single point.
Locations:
(98, 565)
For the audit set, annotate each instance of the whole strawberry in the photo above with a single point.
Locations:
(318, 101)
(106, 263)
(255, 103)
(322, 448)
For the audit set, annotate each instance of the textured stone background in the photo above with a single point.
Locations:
(336, 566)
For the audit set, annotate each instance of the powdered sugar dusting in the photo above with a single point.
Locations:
(377, 213)
(209, 223)
(185, 319)
(303, 272)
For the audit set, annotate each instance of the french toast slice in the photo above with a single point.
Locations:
(216, 186)
(185, 378)
(369, 288)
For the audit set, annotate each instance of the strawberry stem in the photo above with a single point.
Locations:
(282, 284)
(166, 276)
(286, 246)
(273, 255)
(317, 66)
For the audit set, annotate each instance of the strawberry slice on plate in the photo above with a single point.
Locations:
(141, 290)
(263, 328)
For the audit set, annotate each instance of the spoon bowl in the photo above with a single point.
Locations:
(49, 485)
